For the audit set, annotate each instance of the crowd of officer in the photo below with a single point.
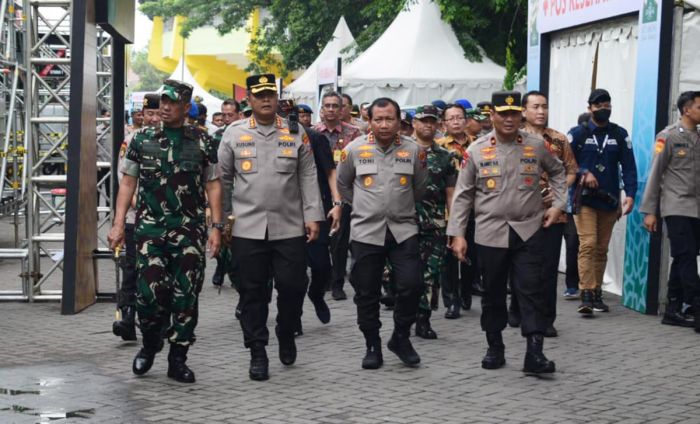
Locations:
(446, 197)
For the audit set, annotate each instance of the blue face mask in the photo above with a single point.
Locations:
(602, 115)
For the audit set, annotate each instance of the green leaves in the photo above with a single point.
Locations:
(298, 30)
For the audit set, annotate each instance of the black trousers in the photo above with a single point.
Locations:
(127, 291)
(285, 261)
(684, 238)
(339, 247)
(367, 275)
(318, 255)
(550, 268)
(525, 260)
(571, 240)
(455, 288)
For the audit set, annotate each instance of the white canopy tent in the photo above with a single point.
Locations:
(182, 73)
(419, 59)
(305, 88)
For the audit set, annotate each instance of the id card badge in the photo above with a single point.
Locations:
(337, 155)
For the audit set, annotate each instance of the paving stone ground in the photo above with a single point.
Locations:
(620, 367)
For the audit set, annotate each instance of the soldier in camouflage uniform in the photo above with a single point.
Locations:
(230, 110)
(172, 165)
(442, 176)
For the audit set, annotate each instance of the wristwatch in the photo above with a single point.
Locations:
(218, 225)
(337, 203)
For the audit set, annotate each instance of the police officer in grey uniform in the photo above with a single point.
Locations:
(499, 179)
(270, 186)
(383, 175)
(674, 186)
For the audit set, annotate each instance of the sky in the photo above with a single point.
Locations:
(143, 28)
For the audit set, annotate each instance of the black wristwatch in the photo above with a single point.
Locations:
(337, 203)
(219, 226)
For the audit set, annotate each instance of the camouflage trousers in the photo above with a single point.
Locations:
(170, 273)
(433, 246)
(230, 267)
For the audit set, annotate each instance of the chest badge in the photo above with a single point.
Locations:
(245, 137)
(681, 153)
(403, 181)
(246, 153)
(403, 154)
(247, 165)
(367, 181)
(490, 183)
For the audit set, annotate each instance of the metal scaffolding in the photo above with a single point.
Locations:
(35, 58)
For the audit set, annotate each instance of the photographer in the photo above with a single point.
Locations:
(601, 148)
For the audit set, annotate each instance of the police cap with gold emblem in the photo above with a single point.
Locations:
(176, 90)
(507, 100)
(258, 83)
(485, 108)
(151, 101)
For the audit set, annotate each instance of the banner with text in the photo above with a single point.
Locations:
(553, 15)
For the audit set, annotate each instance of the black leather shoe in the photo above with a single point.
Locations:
(678, 319)
(423, 328)
(177, 369)
(514, 317)
(402, 347)
(322, 311)
(495, 354)
(126, 327)
(586, 306)
(288, 349)
(373, 357)
(466, 302)
(551, 332)
(337, 293)
(535, 361)
(453, 311)
(259, 363)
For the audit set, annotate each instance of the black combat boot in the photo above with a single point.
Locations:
(674, 316)
(177, 369)
(598, 304)
(288, 349)
(402, 347)
(423, 328)
(535, 361)
(373, 357)
(152, 344)
(259, 364)
(126, 328)
(586, 306)
(467, 300)
(495, 355)
(696, 311)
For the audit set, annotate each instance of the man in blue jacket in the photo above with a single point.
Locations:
(601, 148)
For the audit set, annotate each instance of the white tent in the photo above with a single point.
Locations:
(419, 59)
(305, 88)
(182, 73)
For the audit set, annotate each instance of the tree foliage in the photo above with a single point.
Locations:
(150, 78)
(298, 30)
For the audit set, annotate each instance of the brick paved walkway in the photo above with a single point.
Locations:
(616, 367)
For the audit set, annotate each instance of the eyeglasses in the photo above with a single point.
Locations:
(332, 106)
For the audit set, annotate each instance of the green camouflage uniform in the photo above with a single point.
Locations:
(431, 221)
(225, 256)
(173, 166)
